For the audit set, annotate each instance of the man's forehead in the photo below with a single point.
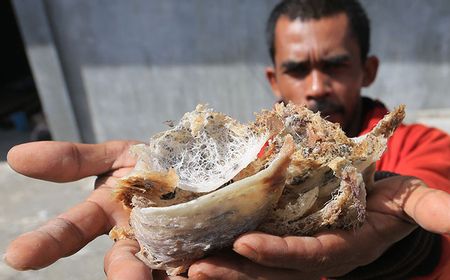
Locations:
(326, 37)
(331, 23)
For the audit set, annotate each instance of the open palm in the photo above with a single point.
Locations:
(72, 230)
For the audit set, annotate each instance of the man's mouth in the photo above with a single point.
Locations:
(327, 109)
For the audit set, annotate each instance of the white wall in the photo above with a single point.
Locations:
(128, 66)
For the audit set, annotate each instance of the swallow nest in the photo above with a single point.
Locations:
(208, 179)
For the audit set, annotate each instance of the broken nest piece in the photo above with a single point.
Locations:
(199, 185)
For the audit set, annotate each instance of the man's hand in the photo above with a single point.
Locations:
(72, 230)
(395, 206)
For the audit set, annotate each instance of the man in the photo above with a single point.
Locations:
(320, 59)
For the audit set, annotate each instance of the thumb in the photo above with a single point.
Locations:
(410, 199)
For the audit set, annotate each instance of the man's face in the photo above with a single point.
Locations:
(318, 64)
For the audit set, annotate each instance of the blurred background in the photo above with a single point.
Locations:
(95, 70)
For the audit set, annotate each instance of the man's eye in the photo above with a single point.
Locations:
(333, 67)
(298, 71)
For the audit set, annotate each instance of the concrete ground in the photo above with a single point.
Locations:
(28, 203)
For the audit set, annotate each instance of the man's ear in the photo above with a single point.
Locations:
(272, 78)
(370, 70)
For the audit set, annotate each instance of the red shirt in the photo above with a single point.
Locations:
(418, 151)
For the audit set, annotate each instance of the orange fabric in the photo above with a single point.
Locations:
(421, 152)
(414, 150)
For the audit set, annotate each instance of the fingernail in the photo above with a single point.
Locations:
(5, 260)
(15, 266)
(199, 276)
(246, 251)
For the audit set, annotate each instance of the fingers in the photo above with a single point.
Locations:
(332, 253)
(429, 208)
(58, 238)
(121, 262)
(64, 161)
(231, 266)
(162, 275)
(286, 252)
(410, 199)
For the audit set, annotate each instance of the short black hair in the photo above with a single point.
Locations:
(316, 9)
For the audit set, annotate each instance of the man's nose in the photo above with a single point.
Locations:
(318, 85)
